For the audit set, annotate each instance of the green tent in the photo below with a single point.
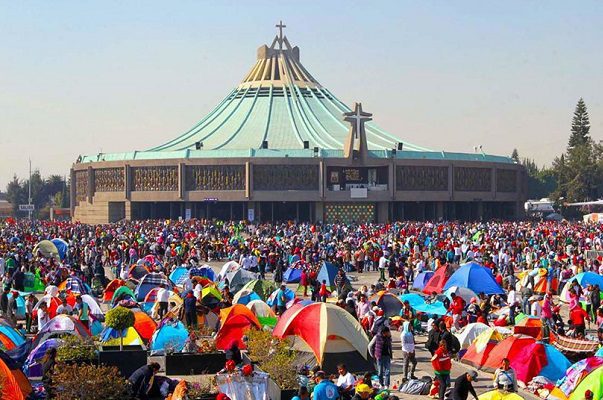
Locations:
(263, 288)
(120, 292)
(33, 283)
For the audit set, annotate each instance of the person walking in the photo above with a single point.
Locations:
(407, 339)
(441, 363)
(83, 311)
(380, 348)
(190, 310)
(43, 317)
(163, 296)
(29, 305)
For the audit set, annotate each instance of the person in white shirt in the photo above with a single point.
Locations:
(345, 382)
(197, 291)
(187, 284)
(535, 307)
(42, 315)
(163, 295)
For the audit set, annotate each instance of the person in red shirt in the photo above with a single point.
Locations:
(577, 317)
(442, 364)
(456, 308)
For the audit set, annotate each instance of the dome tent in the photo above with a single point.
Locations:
(168, 335)
(475, 277)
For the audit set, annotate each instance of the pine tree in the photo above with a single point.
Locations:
(580, 126)
(515, 155)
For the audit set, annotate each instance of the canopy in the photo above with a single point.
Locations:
(262, 287)
(318, 323)
(61, 246)
(111, 337)
(421, 280)
(438, 280)
(234, 322)
(170, 337)
(388, 302)
(508, 348)
(475, 277)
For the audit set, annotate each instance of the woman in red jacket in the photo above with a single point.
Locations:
(442, 364)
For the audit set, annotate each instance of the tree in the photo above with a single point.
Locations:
(580, 126)
(15, 194)
(515, 155)
(120, 319)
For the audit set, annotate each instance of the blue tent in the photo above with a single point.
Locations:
(557, 366)
(12, 334)
(204, 271)
(61, 246)
(179, 275)
(327, 272)
(292, 275)
(169, 335)
(289, 295)
(475, 277)
(421, 280)
(248, 297)
(588, 278)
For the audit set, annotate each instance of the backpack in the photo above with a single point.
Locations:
(456, 345)
(416, 386)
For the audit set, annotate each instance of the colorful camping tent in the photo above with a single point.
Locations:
(75, 285)
(584, 279)
(111, 288)
(32, 366)
(234, 322)
(421, 280)
(593, 382)
(479, 350)
(144, 325)
(530, 326)
(289, 296)
(230, 266)
(137, 271)
(574, 377)
(179, 275)
(33, 282)
(11, 335)
(475, 277)
(328, 272)
(15, 385)
(508, 348)
(150, 281)
(539, 359)
(329, 333)
(169, 336)
(122, 293)
(62, 247)
(112, 337)
(262, 287)
(260, 309)
(388, 302)
(465, 293)
(210, 296)
(438, 280)
(204, 271)
(292, 275)
(499, 395)
(237, 279)
(51, 302)
(47, 249)
(470, 333)
(244, 296)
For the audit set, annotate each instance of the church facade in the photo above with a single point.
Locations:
(280, 146)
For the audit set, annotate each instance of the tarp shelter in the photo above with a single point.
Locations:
(417, 303)
(144, 325)
(539, 359)
(112, 337)
(328, 272)
(15, 386)
(508, 348)
(122, 293)
(150, 281)
(262, 287)
(421, 280)
(388, 302)
(577, 380)
(32, 366)
(244, 296)
(111, 288)
(292, 275)
(227, 268)
(169, 337)
(234, 322)
(438, 280)
(475, 277)
(330, 334)
(62, 247)
(238, 279)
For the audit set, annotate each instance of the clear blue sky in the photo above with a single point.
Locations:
(78, 77)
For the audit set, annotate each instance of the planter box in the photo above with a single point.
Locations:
(276, 393)
(126, 361)
(194, 363)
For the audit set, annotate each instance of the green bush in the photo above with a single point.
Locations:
(119, 318)
(76, 348)
(274, 356)
(88, 382)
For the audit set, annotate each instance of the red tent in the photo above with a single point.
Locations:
(111, 287)
(234, 322)
(144, 325)
(475, 358)
(508, 348)
(529, 361)
(15, 386)
(438, 280)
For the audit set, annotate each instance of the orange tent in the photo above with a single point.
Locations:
(15, 386)
(234, 322)
(111, 287)
(6, 342)
(144, 325)
(508, 348)
(437, 282)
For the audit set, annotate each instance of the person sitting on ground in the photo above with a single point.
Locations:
(505, 378)
(463, 386)
(363, 392)
(345, 382)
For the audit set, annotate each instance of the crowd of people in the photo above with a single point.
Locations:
(398, 252)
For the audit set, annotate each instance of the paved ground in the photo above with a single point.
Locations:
(423, 357)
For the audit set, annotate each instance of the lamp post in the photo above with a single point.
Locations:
(29, 196)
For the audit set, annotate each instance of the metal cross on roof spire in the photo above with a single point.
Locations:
(280, 27)
(357, 118)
